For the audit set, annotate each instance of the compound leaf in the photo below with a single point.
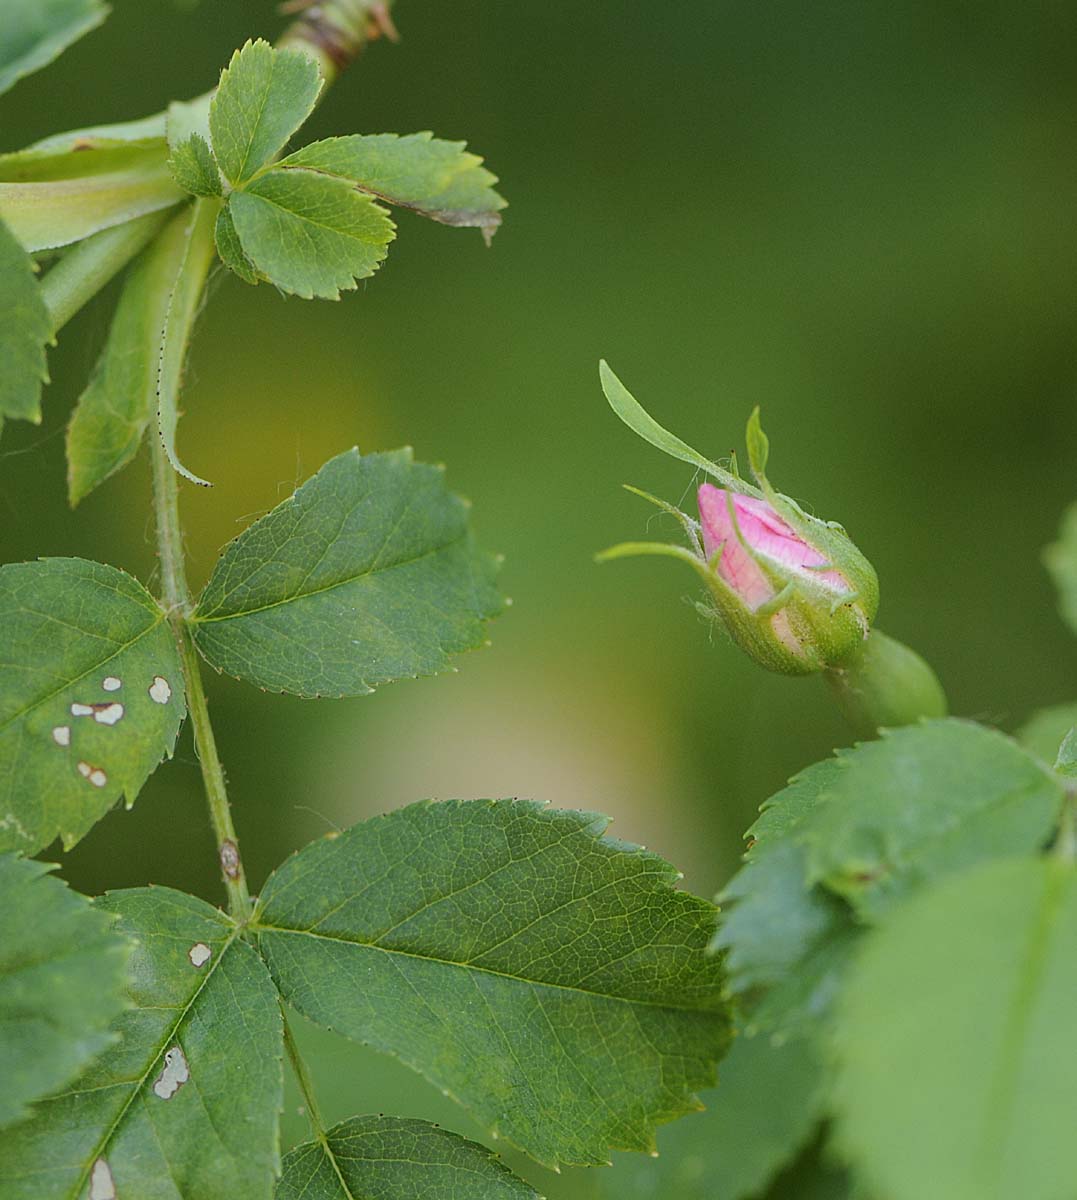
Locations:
(764, 1109)
(61, 194)
(435, 178)
(25, 327)
(955, 1035)
(395, 1158)
(194, 167)
(62, 978)
(310, 234)
(263, 98)
(924, 801)
(185, 1107)
(91, 696)
(117, 405)
(1061, 560)
(369, 573)
(34, 32)
(551, 980)
(194, 258)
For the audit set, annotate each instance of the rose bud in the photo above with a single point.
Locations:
(798, 598)
(793, 591)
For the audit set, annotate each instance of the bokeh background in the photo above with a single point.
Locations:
(859, 216)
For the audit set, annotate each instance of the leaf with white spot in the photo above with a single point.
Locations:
(66, 756)
(184, 303)
(264, 96)
(34, 32)
(552, 980)
(185, 1106)
(310, 234)
(369, 573)
(58, 195)
(955, 1077)
(395, 1158)
(121, 398)
(25, 327)
(435, 178)
(62, 976)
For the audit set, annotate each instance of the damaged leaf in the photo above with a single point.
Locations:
(185, 1105)
(71, 743)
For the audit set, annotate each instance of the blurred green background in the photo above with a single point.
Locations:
(858, 215)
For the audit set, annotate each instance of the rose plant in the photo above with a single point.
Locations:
(888, 985)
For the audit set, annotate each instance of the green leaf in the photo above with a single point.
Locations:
(185, 1107)
(62, 976)
(114, 410)
(369, 573)
(437, 179)
(194, 168)
(1043, 732)
(629, 409)
(551, 980)
(34, 32)
(184, 303)
(1061, 561)
(84, 718)
(56, 196)
(395, 1158)
(777, 915)
(230, 249)
(25, 327)
(955, 1078)
(310, 234)
(263, 98)
(922, 802)
(767, 1103)
(777, 918)
(140, 129)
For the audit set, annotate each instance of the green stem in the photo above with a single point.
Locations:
(884, 686)
(177, 599)
(1065, 846)
(85, 269)
(333, 31)
(302, 1077)
(306, 1087)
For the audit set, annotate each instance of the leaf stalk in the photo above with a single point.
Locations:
(177, 599)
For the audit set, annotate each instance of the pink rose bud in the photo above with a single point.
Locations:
(780, 594)
(792, 590)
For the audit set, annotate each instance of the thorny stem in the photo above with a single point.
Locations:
(334, 32)
(178, 604)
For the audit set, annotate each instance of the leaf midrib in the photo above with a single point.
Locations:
(152, 1061)
(195, 619)
(466, 966)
